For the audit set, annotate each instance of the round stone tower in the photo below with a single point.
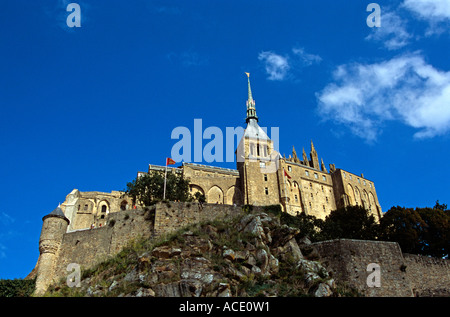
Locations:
(53, 228)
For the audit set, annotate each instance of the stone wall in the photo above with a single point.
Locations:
(90, 246)
(349, 261)
(428, 276)
(400, 274)
(175, 215)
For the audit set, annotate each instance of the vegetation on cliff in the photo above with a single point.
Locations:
(256, 254)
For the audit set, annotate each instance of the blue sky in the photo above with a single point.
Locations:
(89, 107)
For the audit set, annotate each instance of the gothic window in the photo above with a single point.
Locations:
(296, 198)
(322, 188)
(310, 185)
(265, 177)
(85, 207)
(306, 173)
(266, 190)
(289, 169)
(324, 178)
(316, 176)
(344, 175)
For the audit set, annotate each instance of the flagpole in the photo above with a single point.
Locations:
(165, 177)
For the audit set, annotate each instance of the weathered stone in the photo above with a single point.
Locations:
(323, 290)
(163, 252)
(229, 254)
(145, 292)
(223, 290)
(292, 247)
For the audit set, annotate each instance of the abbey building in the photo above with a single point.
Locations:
(262, 177)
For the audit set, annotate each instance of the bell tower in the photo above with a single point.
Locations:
(257, 162)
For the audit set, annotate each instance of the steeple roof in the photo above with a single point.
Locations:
(57, 212)
(253, 130)
(251, 110)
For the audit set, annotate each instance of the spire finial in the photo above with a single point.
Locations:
(251, 111)
(312, 146)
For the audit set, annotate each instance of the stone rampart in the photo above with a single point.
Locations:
(351, 262)
(429, 276)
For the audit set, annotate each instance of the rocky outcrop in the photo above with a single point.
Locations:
(254, 255)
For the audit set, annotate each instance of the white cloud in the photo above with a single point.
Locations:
(436, 12)
(405, 89)
(279, 67)
(6, 219)
(306, 58)
(276, 66)
(392, 32)
(432, 10)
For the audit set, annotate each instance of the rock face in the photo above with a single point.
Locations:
(251, 256)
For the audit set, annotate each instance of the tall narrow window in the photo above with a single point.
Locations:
(265, 177)
(266, 190)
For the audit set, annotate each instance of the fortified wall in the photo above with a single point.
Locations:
(86, 247)
(400, 274)
(404, 275)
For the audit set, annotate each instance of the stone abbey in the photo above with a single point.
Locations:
(263, 177)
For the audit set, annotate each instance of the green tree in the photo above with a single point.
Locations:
(423, 231)
(352, 222)
(403, 226)
(200, 197)
(148, 189)
(439, 206)
(435, 233)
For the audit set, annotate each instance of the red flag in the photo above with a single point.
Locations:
(169, 161)
(286, 174)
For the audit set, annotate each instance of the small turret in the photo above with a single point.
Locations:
(294, 156)
(53, 229)
(305, 158)
(314, 157)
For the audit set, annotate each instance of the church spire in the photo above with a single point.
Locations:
(251, 111)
